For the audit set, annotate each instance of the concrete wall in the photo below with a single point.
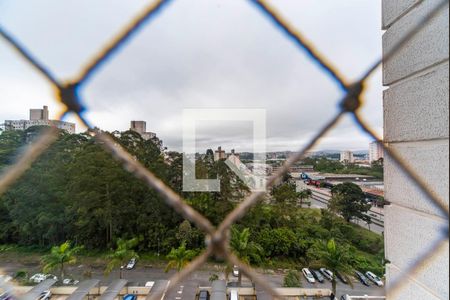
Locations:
(416, 124)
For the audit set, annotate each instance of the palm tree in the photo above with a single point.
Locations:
(60, 256)
(123, 253)
(243, 248)
(179, 258)
(305, 194)
(336, 259)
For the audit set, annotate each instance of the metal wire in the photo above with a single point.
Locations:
(217, 241)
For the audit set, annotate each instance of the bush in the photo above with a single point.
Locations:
(276, 242)
(21, 274)
(213, 277)
(292, 279)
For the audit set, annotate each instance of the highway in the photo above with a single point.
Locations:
(321, 197)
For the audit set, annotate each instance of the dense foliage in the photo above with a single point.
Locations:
(77, 191)
(348, 201)
(292, 279)
(325, 165)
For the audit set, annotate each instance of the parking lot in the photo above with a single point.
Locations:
(187, 289)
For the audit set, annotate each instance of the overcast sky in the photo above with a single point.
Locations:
(198, 54)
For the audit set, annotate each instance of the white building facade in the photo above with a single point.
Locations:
(347, 157)
(376, 151)
(39, 117)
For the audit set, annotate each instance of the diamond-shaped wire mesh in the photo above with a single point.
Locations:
(217, 241)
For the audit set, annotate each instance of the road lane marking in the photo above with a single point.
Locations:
(165, 290)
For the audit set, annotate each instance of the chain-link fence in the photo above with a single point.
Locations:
(217, 237)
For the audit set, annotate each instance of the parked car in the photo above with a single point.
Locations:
(203, 295)
(341, 278)
(45, 295)
(6, 296)
(69, 281)
(317, 275)
(327, 273)
(234, 295)
(37, 278)
(131, 264)
(363, 279)
(50, 276)
(374, 278)
(129, 297)
(308, 275)
(5, 278)
(235, 271)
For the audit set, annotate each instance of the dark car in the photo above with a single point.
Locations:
(6, 296)
(362, 278)
(317, 275)
(203, 295)
(341, 278)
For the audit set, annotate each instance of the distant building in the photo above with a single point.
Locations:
(347, 157)
(141, 128)
(234, 157)
(39, 114)
(39, 117)
(376, 151)
(219, 154)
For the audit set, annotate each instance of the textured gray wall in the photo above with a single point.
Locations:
(416, 124)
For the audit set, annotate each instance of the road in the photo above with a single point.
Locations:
(187, 289)
(373, 227)
(319, 199)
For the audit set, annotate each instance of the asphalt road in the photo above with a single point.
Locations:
(188, 289)
(373, 227)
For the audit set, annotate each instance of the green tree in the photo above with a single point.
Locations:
(10, 141)
(179, 258)
(303, 195)
(348, 200)
(245, 249)
(59, 257)
(277, 242)
(335, 258)
(184, 233)
(123, 253)
(292, 279)
(285, 194)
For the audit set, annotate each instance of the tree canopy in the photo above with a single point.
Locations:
(349, 201)
(77, 191)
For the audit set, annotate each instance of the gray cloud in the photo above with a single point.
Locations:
(199, 54)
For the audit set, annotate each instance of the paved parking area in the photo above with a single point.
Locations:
(187, 289)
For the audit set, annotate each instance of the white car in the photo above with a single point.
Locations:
(327, 273)
(69, 281)
(37, 278)
(131, 264)
(5, 278)
(51, 276)
(308, 275)
(235, 271)
(45, 295)
(374, 278)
